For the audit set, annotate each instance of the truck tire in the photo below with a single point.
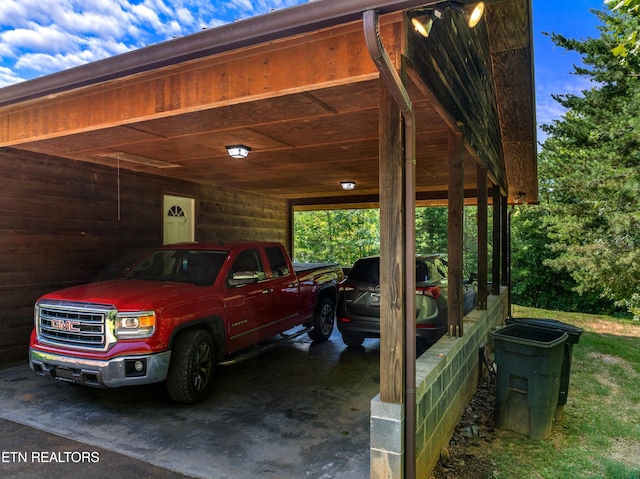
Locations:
(323, 320)
(190, 376)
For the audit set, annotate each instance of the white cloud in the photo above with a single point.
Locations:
(13, 12)
(44, 63)
(184, 16)
(548, 109)
(7, 77)
(243, 5)
(44, 36)
(37, 38)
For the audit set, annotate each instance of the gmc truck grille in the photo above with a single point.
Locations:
(73, 324)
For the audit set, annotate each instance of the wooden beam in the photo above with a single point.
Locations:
(456, 215)
(497, 236)
(505, 242)
(483, 201)
(506, 250)
(392, 326)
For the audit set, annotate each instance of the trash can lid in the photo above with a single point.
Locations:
(527, 334)
(573, 331)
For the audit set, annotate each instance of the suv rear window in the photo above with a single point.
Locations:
(367, 270)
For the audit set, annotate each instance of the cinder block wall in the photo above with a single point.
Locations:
(446, 379)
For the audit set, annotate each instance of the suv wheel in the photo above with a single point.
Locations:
(353, 340)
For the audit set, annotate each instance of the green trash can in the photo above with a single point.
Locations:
(529, 360)
(573, 338)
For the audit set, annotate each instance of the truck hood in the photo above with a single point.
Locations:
(128, 294)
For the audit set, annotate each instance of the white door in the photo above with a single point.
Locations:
(178, 219)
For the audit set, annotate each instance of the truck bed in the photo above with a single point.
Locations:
(304, 267)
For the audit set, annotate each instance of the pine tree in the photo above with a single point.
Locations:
(590, 169)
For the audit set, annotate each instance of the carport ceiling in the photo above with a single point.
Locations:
(306, 105)
(302, 145)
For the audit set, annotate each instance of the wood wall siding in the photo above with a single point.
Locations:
(455, 64)
(60, 225)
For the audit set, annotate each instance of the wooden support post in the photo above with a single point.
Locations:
(497, 217)
(292, 223)
(505, 242)
(506, 250)
(483, 218)
(392, 325)
(455, 236)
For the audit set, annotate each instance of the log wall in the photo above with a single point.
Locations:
(64, 222)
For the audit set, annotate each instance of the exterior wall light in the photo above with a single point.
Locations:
(423, 23)
(238, 151)
(348, 185)
(472, 13)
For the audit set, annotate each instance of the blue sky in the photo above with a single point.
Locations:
(38, 37)
(553, 65)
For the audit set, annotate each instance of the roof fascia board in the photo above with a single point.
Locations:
(273, 26)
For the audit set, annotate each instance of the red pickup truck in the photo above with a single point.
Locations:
(177, 313)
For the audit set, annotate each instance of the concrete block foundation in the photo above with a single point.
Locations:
(446, 379)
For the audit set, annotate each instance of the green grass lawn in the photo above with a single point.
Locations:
(599, 436)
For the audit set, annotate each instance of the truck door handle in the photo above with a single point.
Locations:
(267, 291)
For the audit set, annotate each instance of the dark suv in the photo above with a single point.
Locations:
(358, 309)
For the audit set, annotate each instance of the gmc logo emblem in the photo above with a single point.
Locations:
(63, 325)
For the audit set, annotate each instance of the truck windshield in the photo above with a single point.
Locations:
(184, 266)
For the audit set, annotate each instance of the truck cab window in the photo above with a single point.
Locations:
(247, 266)
(277, 262)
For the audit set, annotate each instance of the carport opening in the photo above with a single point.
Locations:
(345, 235)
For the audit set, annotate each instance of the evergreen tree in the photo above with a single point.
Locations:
(628, 47)
(590, 171)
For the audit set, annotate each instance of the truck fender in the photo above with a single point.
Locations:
(328, 291)
(213, 325)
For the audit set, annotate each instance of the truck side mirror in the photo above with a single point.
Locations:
(242, 278)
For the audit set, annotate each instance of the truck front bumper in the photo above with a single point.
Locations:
(113, 373)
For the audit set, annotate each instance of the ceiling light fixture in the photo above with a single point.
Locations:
(238, 151)
(348, 185)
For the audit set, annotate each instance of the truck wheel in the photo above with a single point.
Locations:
(190, 375)
(323, 320)
(352, 340)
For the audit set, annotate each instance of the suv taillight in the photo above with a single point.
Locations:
(433, 291)
(346, 287)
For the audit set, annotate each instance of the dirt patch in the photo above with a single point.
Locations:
(621, 328)
(625, 451)
(467, 456)
(609, 359)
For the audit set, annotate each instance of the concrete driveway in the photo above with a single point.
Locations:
(300, 410)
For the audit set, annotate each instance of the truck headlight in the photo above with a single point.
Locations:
(135, 325)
